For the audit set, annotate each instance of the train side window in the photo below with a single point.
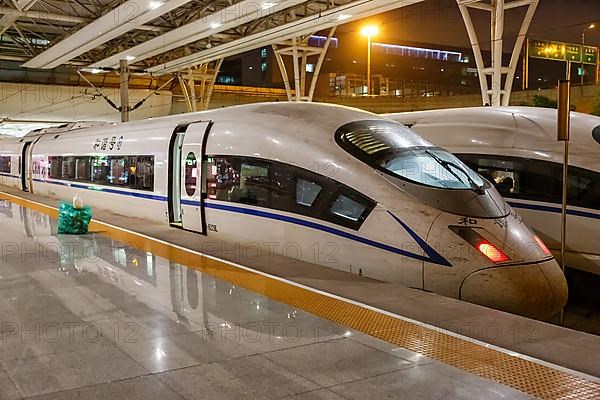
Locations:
(119, 173)
(255, 186)
(140, 172)
(348, 208)
(54, 167)
(100, 172)
(284, 187)
(5, 164)
(306, 192)
(82, 169)
(136, 172)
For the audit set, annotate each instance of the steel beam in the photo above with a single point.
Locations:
(349, 12)
(500, 91)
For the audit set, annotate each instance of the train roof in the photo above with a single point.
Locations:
(307, 114)
(539, 122)
(529, 130)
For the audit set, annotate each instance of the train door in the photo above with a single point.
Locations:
(26, 167)
(186, 189)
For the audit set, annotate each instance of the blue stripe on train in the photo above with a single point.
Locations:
(540, 207)
(431, 255)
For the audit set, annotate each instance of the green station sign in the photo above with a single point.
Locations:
(590, 55)
(560, 51)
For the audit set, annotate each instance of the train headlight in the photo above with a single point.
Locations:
(484, 246)
(491, 252)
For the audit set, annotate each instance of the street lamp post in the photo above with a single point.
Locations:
(369, 31)
(592, 26)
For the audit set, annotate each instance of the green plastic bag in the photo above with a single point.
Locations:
(73, 221)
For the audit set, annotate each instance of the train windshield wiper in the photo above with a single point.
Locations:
(450, 166)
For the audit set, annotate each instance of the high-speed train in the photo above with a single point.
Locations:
(324, 184)
(516, 148)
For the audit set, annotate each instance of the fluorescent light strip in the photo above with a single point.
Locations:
(419, 49)
(227, 18)
(398, 46)
(350, 12)
(120, 20)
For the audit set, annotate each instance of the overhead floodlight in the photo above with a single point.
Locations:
(238, 14)
(95, 70)
(130, 58)
(369, 30)
(265, 6)
(343, 17)
(114, 23)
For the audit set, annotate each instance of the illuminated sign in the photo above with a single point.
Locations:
(560, 51)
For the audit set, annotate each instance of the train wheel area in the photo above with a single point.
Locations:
(135, 308)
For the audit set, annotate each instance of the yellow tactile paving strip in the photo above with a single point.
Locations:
(527, 376)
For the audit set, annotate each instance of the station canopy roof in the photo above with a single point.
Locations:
(162, 36)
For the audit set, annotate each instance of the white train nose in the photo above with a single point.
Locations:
(536, 290)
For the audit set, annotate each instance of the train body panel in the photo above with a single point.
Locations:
(319, 183)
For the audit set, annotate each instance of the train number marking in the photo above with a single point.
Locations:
(212, 228)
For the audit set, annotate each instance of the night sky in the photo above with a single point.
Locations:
(440, 22)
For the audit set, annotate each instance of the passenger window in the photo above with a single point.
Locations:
(347, 208)
(82, 169)
(100, 170)
(255, 186)
(54, 167)
(136, 172)
(5, 164)
(141, 172)
(306, 192)
(118, 173)
(284, 187)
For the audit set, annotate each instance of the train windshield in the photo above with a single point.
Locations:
(395, 149)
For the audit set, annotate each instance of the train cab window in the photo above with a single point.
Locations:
(306, 192)
(287, 188)
(537, 180)
(396, 150)
(5, 164)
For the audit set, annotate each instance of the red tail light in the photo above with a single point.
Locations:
(491, 252)
(542, 245)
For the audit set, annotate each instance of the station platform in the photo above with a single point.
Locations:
(135, 310)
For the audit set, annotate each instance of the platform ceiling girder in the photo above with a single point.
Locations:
(53, 33)
(331, 17)
(118, 21)
(238, 14)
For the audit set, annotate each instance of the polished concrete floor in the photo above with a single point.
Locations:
(86, 317)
